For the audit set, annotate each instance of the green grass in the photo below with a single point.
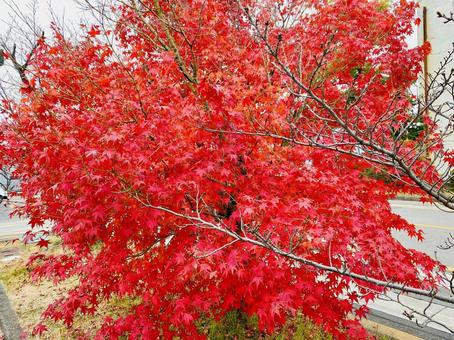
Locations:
(12, 276)
(236, 325)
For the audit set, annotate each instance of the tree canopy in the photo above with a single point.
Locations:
(204, 156)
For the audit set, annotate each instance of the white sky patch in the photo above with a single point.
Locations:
(67, 10)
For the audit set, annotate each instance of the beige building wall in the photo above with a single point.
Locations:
(441, 37)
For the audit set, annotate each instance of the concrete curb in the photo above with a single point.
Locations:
(9, 237)
(9, 324)
(403, 197)
(400, 328)
(393, 333)
(408, 197)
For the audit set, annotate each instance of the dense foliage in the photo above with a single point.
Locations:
(129, 138)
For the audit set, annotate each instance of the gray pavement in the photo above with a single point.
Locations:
(443, 315)
(436, 225)
(9, 324)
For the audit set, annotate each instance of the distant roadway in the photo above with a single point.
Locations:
(436, 225)
(11, 228)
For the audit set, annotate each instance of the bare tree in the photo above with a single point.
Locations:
(19, 42)
(447, 18)
(449, 243)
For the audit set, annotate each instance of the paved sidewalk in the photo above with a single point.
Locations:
(443, 313)
(9, 324)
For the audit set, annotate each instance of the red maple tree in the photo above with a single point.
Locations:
(166, 152)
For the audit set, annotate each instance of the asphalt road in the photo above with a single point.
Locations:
(436, 225)
(11, 227)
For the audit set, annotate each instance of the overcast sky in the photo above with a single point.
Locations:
(68, 9)
(62, 8)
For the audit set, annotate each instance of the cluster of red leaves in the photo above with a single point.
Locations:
(99, 141)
